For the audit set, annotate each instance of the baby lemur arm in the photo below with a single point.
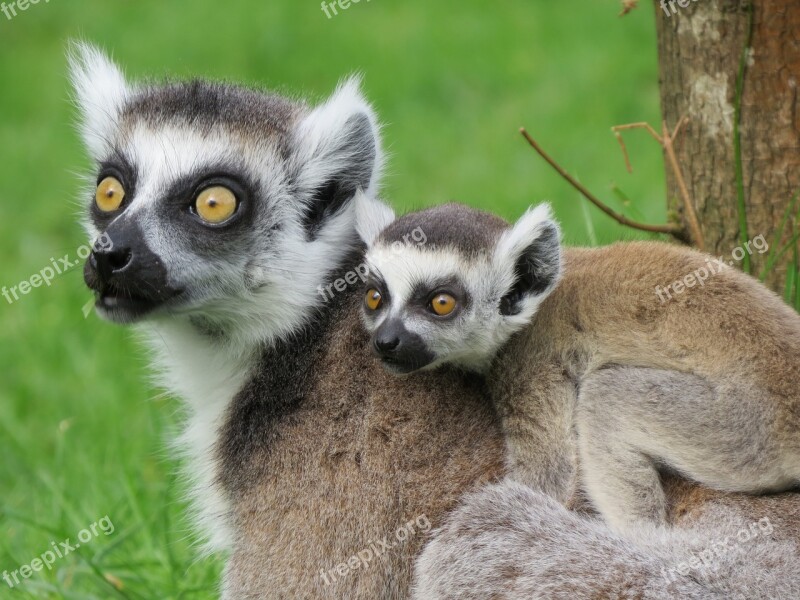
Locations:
(539, 435)
(633, 420)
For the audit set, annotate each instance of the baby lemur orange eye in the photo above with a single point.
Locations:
(215, 204)
(443, 304)
(373, 300)
(109, 194)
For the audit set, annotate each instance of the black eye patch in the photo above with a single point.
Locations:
(424, 291)
(177, 204)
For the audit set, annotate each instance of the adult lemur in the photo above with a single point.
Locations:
(705, 384)
(227, 208)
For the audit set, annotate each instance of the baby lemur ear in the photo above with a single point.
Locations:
(336, 152)
(529, 258)
(100, 92)
(372, 217)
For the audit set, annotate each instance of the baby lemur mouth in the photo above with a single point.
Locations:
(399, 366)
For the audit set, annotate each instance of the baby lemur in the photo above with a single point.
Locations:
(703, 383)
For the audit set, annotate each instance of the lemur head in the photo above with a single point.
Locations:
(217, 204)
(450, 285)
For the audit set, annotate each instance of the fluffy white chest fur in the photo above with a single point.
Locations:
(206, 379)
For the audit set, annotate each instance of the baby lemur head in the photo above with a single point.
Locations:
(451, 284)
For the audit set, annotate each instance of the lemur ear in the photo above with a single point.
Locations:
(100, 92)
(528, 256)
(372, 217)
(336, 153)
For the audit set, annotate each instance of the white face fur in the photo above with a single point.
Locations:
(429, 303)
(292, 171)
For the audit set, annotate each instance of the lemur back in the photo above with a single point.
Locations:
(326, 457)
(703, 383)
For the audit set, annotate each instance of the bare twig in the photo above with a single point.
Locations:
(688, 205)
(670, 229)
(643, 125)
(678, 127)
(667, 140)
(616, 130)
(628, 165)
(678, 130)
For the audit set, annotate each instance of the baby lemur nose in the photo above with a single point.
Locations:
(389, 336)
(386, 344)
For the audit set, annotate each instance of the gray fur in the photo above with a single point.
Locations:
(450, 225)
(509, 541)
(628, 428)
(206, 105)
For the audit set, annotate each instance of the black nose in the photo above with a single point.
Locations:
(387, 343)
(111, 261)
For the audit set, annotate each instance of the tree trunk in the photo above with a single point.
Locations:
(702, 59)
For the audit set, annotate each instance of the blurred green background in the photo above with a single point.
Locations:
(82, 434)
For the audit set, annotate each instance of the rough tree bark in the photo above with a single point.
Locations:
(700, 49)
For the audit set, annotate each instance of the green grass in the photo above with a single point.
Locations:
(82, 434)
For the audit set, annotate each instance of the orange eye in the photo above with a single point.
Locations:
(373, 300)
(215, 204)
(443, 304)
(109, 194)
